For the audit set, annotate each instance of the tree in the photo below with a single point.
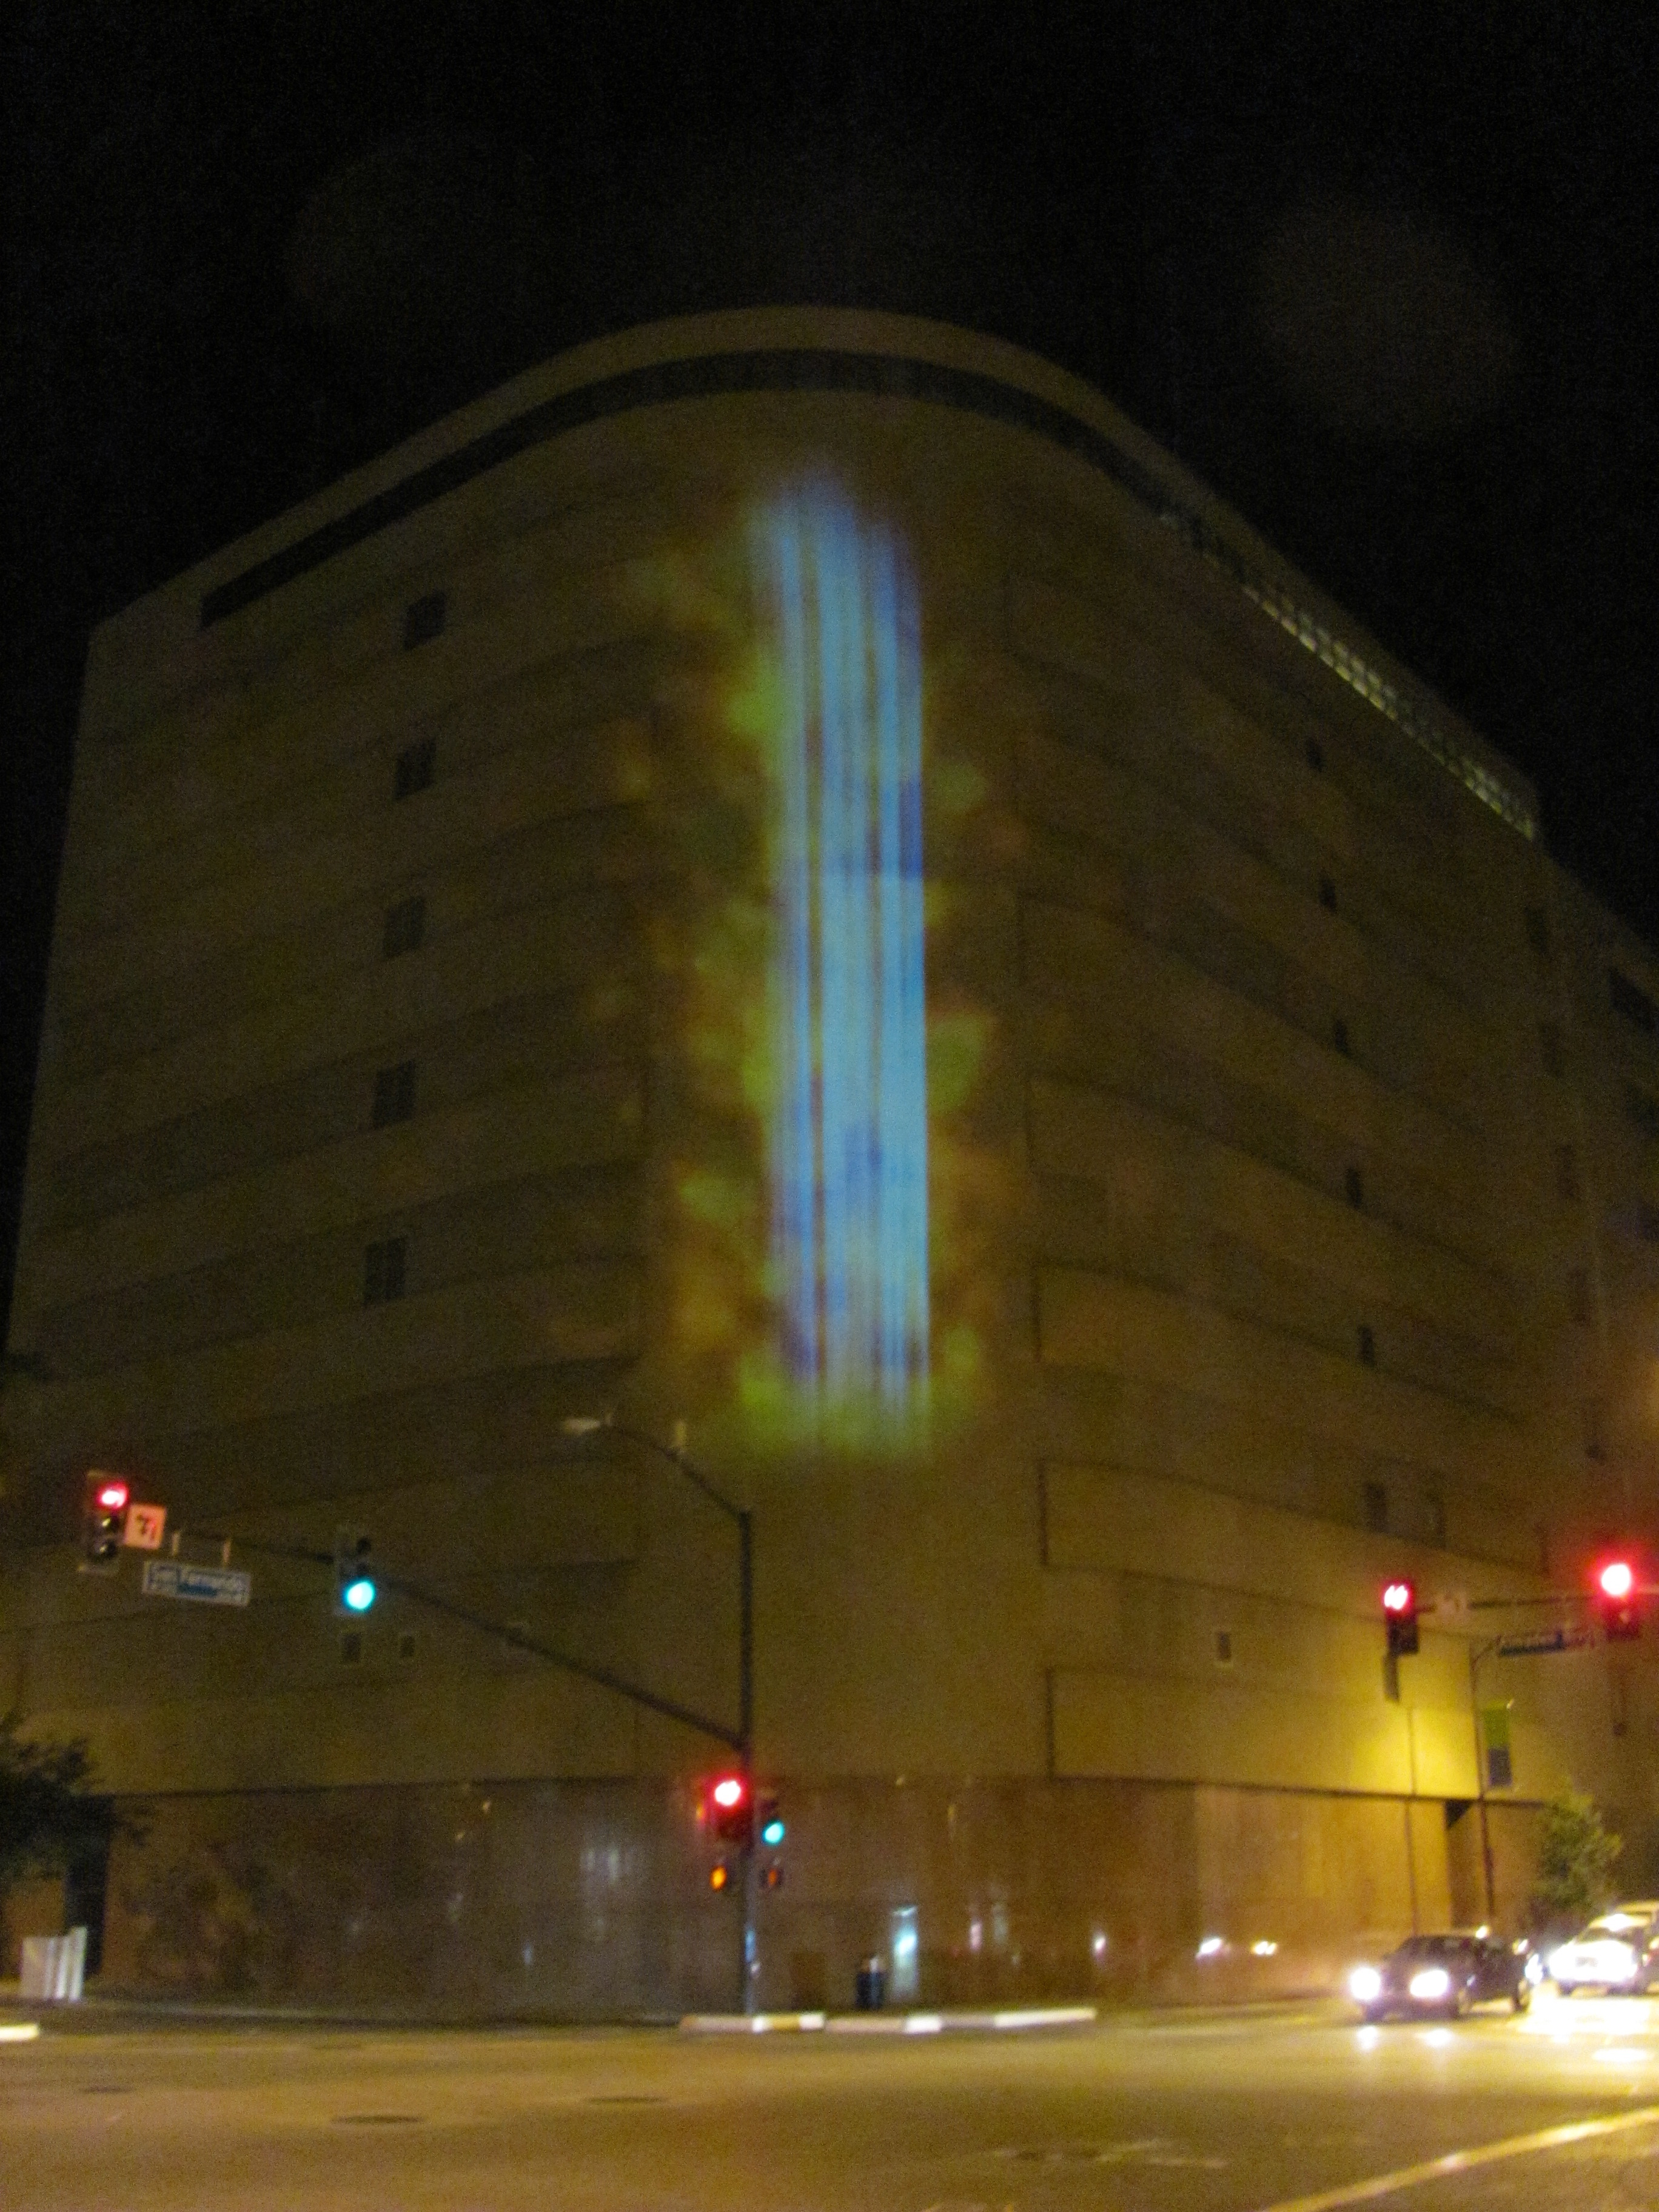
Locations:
(1576, 1858)
(48, 1815)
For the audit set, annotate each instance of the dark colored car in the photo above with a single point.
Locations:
(1443, 1975)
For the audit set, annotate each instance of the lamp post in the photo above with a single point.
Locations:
(587, 1425)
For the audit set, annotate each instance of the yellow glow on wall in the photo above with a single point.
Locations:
(830, 1196)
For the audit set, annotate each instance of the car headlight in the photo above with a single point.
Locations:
(1433, 1982)
(1364, 1985)
(1559, 1963)
(1534, 1969)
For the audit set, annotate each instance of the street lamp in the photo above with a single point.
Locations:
(587, 1425)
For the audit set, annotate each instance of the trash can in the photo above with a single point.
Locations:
(870, 1991)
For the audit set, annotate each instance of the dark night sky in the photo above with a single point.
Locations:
(1386, 278)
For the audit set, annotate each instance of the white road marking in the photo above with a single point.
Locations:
(1146, 2150)
(1461, 2161)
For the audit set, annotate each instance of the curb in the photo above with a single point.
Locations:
(888, 2023)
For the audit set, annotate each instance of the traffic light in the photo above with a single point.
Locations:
(1616, 1599)
(1400, 1612)
(103, 1521)
(769, 1822)
(732, 1810)
(354, 1581)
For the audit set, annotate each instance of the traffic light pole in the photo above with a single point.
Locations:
(744, 1741)
(506, 1631)
(1477, 1652)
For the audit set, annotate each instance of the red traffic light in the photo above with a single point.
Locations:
(1617, 1600)
(103, 1521)
(729, 1808)
(1400, 1613)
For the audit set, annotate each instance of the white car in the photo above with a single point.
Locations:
(1620, 1951)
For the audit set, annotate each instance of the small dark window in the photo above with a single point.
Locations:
(423, 620)
(1367, 1344)
(351, 1647)
(1551, 1049)
(394, 1094)
(1538, 931)
(383, 1270)
(414, 769)
(1578, 1295)
(1316, 756)
(1328, 892)
(1224, 1647)
(1643, 1109)
(1354, 1183)
(1376, 1508)
(1339, 1037)
(408, 1645)
(405, 925)
(1566, 1172)
(1630, 1001)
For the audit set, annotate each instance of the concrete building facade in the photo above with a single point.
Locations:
(791, 881)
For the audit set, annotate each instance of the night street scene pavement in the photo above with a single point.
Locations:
(1282, 2109)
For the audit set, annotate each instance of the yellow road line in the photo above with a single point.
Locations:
(1460, 2162)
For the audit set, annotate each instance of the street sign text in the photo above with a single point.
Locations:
(205, 1585)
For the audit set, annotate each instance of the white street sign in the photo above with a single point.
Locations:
(144, 1527)
(206, 1585)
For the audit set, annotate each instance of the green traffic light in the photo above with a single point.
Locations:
(358, 1594)
(772, 1834)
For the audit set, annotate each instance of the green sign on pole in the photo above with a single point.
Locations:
(1495, 1740)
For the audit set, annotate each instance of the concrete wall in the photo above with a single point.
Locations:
(594, 1902)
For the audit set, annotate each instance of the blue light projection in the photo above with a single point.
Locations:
(849, 1124)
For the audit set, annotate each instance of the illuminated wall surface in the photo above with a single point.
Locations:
(848, 1124)
(839, 1188)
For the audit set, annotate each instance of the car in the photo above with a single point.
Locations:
(1619, 1951)
(1443, 1976)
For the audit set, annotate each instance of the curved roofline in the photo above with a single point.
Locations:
(887, 356)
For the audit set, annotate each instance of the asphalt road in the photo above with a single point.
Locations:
(1222, 2113)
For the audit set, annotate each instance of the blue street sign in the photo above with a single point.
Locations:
(205, 1585)
(1545, 1640)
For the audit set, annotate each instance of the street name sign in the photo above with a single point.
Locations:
(1543, 1640)
(205, 1585)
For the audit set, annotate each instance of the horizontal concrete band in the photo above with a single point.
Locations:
(825, 368)
(702, 376)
